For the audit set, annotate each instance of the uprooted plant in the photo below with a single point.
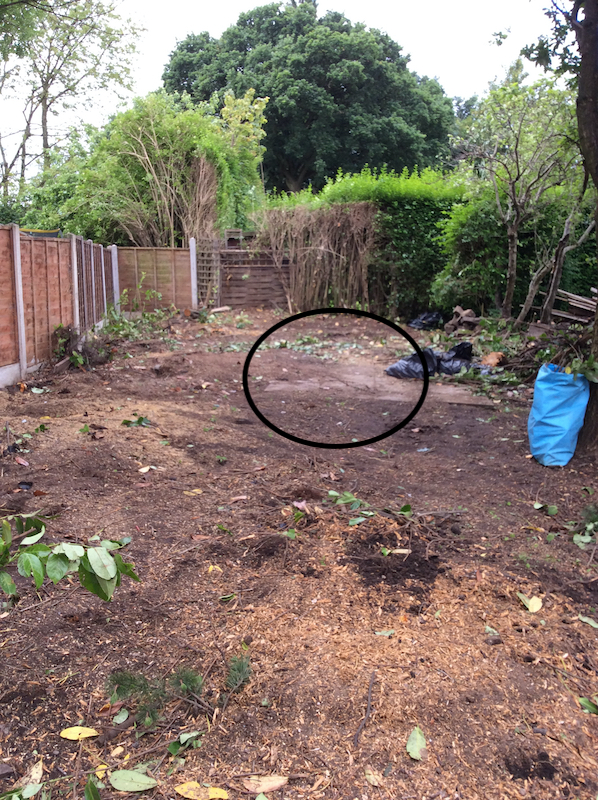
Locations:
(99, 571)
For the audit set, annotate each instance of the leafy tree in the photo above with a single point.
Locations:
(341, 95)
(19, 18)
(571, 50)
(69, 57)
(159, 173)
(521, 139)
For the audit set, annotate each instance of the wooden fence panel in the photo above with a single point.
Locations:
(9, 339)
(167, 271)
(251, 279)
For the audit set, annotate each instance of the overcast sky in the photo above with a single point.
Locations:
(451, 40)
(446, 39)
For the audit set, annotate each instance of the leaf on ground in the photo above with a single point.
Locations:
(21, 461)
(588, 705)
(122, 715)
(129, 780)
(552, 511)
(30, 790)
(101, 771)
(588, 621)
(77, 733)
(416, 744)
(533, 604)
(373, 777)
(34, 775)
(384, 633)
(195, 791)
(267, 783)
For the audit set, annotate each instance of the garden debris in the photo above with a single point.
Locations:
(428, 321)
(463, 319)
(451, 363)
(493, 359)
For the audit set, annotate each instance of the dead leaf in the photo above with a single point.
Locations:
(77, 733)
(21, 461)
(108, 708)
(373, 777)
(195, 791)
(493, 359)
(101, 771)
(39, 493)
(34, 775)
(267, 783)
(117, 751)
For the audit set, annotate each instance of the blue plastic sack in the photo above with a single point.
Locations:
(556, 417)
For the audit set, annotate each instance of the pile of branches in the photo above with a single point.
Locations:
(560, 346)
(328, 249)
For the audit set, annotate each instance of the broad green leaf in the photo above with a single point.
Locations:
(385, 633)
(125, 568)
(588, 705)
(57, 567)
(356, 520)
(551, 510)
(128, 780)
(122, 715)
(102, 563)
(31, 790)
(6, 532)
(185, 737)
(173, 748)
(32, 539)
(588, 621)
(416, 743)
(29, 564)
(109, 544)
(90, 582)
(108, 587)
(91, 791)
(538, 506)
(7, 584)
(71, 551)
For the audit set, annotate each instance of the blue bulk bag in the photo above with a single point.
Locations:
(556, 417)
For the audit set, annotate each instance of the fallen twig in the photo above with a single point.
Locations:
(368, 710)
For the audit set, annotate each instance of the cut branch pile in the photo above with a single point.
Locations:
(328, 249)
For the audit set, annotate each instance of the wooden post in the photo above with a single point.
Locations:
(193, 259)
(104, 281)
(16, 257)
(75, 283)
(93, 285)
(115, 281)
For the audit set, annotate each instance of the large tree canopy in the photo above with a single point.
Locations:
(341, 96)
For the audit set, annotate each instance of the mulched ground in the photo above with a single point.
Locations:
(438, 634)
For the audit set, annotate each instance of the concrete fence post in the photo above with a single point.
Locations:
(16, 256)
(93, 283)
(193, 265)
(104, 281)
(75, 283)
(115, 281)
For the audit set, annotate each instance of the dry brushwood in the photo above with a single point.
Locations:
(329, 250)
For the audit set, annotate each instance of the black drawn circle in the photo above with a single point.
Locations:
(347, 445)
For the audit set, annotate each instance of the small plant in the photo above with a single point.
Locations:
(221, 459)
(149, 697)
(585, 532)
(242, 320)
(139, 422)
(98, 570)
(239, 673)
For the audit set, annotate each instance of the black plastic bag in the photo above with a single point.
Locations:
(427, 321)
(411, 366)
(459, 356)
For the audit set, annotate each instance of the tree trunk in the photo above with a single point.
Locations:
(507, 303)
(586, 33)
(45, 133)
(534, 285)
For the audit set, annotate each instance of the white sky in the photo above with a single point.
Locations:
(451, 40)
(446, 39)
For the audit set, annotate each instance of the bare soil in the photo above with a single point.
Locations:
(439, 633)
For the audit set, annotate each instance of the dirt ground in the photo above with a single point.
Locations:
(241, 551)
